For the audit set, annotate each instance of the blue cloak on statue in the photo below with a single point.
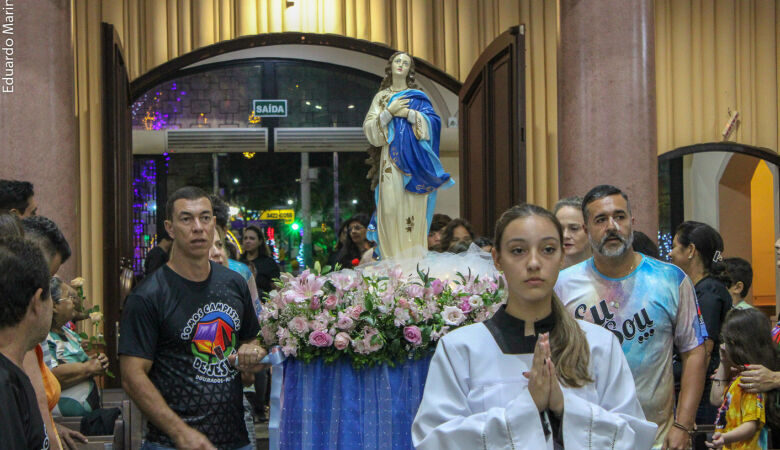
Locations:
(418, 160)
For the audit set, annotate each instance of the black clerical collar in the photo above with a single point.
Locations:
(509, 332)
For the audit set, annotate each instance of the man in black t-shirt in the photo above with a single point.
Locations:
(25, 318)
(186, 332)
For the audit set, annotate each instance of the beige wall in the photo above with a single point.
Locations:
(713, 56)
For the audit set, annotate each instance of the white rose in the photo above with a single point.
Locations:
(77, 282)
(95, 316)
(453, 315)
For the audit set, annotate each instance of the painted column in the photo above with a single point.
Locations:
(606, 102)
(38, 129)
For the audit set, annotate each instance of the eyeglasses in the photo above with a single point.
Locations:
(72, 298)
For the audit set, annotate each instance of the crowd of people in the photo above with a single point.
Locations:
(600, 343)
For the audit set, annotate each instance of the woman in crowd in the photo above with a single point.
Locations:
(576, 247)
(257, 253)
(438, 223)
(357, 244)
(531, 377)
(218, 254)
(342, 236)
(456, 232)
(744, 414)
(696, 249)
(644, 245)
(75, 370)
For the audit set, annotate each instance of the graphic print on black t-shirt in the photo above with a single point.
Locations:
(212, 330)
(188, 329)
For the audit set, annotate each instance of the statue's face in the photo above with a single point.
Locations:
(401, 65)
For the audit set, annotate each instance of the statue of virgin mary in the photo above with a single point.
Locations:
(403, 123)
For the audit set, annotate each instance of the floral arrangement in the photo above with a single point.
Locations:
(372, 318)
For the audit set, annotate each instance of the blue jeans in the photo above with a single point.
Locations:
(152, 446)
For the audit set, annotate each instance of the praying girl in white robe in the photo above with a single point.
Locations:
(510, 383)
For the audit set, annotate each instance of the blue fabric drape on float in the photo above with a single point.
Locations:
(334, 406)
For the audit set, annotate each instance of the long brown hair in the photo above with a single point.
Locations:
(568, 345)
(747, 334)
(387, 81)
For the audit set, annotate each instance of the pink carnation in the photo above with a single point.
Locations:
(320, 339)
(356, 311)
(413, 335)
(465, 306)
(298, 325)
(341, 341)
(291, 349)
(269, 337)
(401, 316)
(318, 324)
(314, 303)
(331, 302)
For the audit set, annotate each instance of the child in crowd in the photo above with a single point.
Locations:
(743, 416)
(741, 275)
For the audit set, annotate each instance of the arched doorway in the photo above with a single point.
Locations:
(199, 105)
(734, 188)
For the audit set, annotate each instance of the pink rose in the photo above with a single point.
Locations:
(438, 286)
(342, 341)
(345, 323)
(413, 335)
(403, 303)
(320, 339)
(298, 325)
(465, 306)
(331, 302)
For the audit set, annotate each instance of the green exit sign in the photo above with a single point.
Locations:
(270, 108)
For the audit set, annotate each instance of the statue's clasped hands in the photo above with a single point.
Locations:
(399, 108)
(543, 382)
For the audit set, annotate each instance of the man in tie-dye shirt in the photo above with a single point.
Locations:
(649, 305)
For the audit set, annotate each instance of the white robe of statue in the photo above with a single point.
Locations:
(401, 215)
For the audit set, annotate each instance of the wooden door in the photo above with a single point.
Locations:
(492, 132)
(117, 187)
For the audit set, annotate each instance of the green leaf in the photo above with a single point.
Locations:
(83, 335)
(368, 319)
(426, 334)
(110, 374)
